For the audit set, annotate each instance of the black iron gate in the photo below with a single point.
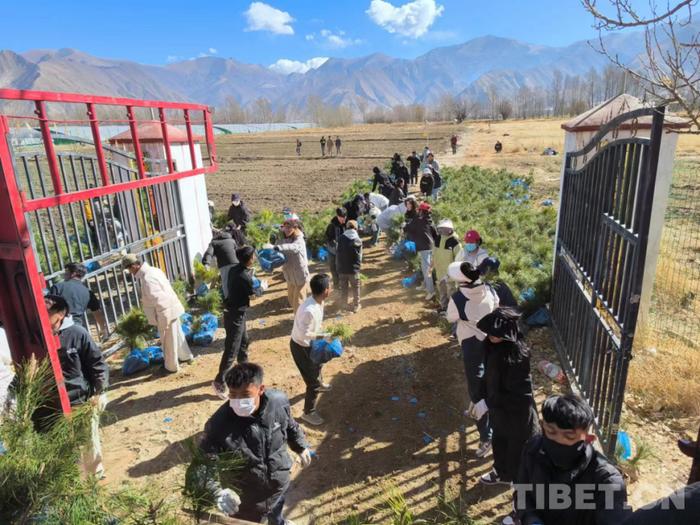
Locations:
(606, 204)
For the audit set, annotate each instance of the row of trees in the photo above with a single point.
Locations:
(566, 95)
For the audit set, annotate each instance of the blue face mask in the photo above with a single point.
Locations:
(471, 246)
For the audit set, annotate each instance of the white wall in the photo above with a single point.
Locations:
(193, 195)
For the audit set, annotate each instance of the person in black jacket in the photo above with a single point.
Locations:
(79, 297)
(563, 461)
(240, 288)
(333, 232)
(349, 260)
(223, 248)
(411, 208)
(85, 374)
(422, 232)
(398, 194)
(238, 212)
(427, 182)
(255, 423)
(355, 208)
(489, 270)
(414, 161)
(381, 180)
(506, 394)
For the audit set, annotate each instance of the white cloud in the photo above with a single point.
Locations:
(173, 58)
(309, 37)
(412, 19)
(213, 51)
(264, 17)
(287, 67)
(335, 40)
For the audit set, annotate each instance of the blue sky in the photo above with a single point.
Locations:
(157, 31)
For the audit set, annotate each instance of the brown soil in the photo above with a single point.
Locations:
(369, 442)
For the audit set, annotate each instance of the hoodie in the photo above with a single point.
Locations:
(481, 300)
(85, 371)
(333, 233)
(223, 247)
(349, 256)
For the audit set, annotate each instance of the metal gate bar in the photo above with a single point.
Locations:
(605, 212)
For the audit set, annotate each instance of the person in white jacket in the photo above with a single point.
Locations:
(473, 300)
(163, 310)
(472, 253)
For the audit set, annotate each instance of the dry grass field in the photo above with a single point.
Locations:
(370, 441)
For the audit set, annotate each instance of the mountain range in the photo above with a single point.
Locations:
(372, 81)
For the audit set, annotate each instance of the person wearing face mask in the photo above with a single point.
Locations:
(238, 212)
(296, 266)
(467, 306)
(85, 374)
(445, 251)
(256, 423)
(563, 460)
(473, 253)
(240, 286)
(506, 393)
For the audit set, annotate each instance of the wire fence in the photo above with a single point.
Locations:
(675, 308)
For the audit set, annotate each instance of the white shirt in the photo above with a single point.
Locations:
(307, 322)
(474, 258)
(482, 300)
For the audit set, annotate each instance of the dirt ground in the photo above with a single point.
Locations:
(420, 443)
(265, 169)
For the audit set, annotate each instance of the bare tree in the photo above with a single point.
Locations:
(505, 109)
(669, 70)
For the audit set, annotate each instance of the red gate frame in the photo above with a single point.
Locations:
(26, 321)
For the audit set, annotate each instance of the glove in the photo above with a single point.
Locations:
(479, 410)
(227, 501)
(264, 285)
(305, 458)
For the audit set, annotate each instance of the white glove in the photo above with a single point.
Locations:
(479, 410)
(227, 501)
(305, 458)
(263, 285)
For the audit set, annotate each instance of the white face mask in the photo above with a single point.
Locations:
(243, 407)
(236, 203)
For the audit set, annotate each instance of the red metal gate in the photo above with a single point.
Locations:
(42, 193)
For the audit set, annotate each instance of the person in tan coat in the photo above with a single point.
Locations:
(163, 310)
(296, 267)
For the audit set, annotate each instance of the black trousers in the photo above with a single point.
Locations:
(512, 428)
(310, 373)
(235, 344)
(414, 178)
(260, 507)
(333, 269)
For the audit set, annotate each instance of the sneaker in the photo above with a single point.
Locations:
(430, 296)
(312, 419)
(492, 478)
(357, 308)
(509, 520)
(484, 449)
(325, 387)
(220, 390)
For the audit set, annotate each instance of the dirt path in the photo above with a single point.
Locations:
(420, 442)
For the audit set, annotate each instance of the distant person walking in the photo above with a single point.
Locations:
(298, 148)
(453, 143)
(338, 143)
(323, 146)
(414, 162)
(498, 146)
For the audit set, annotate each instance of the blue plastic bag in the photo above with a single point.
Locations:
(409, 282)
(539, 318)
(528, 295)
(623, 439)
(322, 254)
(210, 322)
(270, 259)
(202, 289)
(203, 338)
(155, 355)
(136, 361)
(323, 351)
(547, 202)
(256, 283)
(92, 266)
(409, 247)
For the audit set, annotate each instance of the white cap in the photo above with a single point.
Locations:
(446, 223)
(427, 170)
